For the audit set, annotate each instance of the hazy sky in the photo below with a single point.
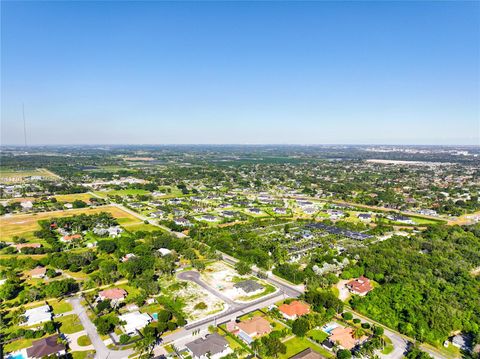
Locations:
(224, 72)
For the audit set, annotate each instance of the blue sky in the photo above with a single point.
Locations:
(241, 72)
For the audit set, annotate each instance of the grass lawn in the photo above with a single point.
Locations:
(84, 354)
(317, 335)
(70, 324)
(297, 344)
(84, 341)
(60, 306)
(133, 227)
(269, 289)
(17, 345)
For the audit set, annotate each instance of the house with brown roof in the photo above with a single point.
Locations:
(308, 353)
(252, 328)
(115, 295)
(38, 272)
(294, 310)
(360, 286)
(21, 246)
(45, 347)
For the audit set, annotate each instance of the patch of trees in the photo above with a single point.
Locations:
(427, 290)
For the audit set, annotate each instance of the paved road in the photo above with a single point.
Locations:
(102, 352)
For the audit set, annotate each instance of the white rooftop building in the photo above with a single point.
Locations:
(134, 321)
(38, 315)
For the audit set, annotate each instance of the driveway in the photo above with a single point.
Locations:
(102, 352)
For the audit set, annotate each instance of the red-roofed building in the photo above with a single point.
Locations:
(294, 310)
(360, 286)
(116, 295)
(69, 238)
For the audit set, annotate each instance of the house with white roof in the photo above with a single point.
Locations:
(38, 315)
(134, 321)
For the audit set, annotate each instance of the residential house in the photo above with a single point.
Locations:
(157, 214)
(38, 272)
(26, 205)
(115, 295)
(38, 315)
(360, 286)
(70, 238)
(127, 257)
(308, 353)
(182, 222)
(253, 327)
(401, 219)
(46, 347)
(164, 251)
(114, 231)
(213, 346)
(248, 287)
(280, 210)
(134, 321)
(344, 337)
(366, 217)
(294, 310)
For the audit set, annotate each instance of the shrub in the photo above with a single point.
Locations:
(347, 316)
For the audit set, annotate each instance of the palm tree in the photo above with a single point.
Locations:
(358, 333)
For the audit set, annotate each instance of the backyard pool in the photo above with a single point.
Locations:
(327, 328)
(16, 355)
(155, 316)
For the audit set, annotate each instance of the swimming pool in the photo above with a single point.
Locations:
(155, 316)
(327, 328)
(17, 355)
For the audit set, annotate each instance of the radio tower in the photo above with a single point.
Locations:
(24, 125)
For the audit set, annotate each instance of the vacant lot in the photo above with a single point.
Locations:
(25, 224)
(19, 176)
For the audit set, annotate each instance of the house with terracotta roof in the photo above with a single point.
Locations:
(294, 310)
(345, 338)
(253, 327)
(68, 238)
(38, 272)
(45, 347)
(360, 286)
(115, 295)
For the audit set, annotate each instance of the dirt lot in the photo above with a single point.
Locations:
(193, 294)
(222, 277)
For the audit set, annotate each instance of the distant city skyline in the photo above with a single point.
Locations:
(241, 72)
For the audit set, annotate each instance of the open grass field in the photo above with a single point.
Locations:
(74, 196)
(25, 224)
(128, 192)
(18, 176)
